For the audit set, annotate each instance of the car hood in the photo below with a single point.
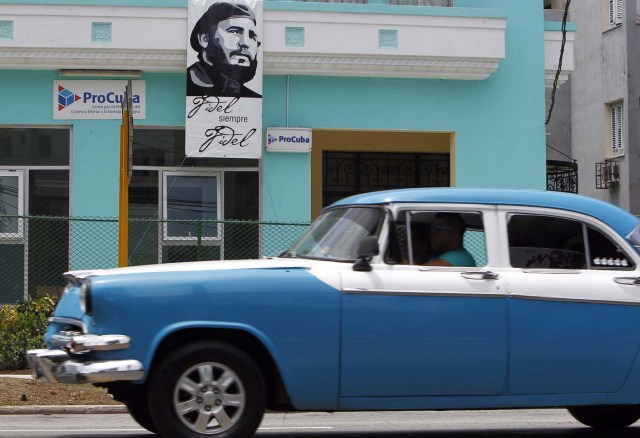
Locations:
(216, 265)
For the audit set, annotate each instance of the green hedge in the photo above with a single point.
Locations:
(22, 328)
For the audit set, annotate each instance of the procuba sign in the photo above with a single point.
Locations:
(288, 139)
(93, 99)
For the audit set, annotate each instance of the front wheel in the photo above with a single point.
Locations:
(139, 410)
(207, 389)
(606, 417)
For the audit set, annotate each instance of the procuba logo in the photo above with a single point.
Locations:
(293, 139)
(289, 140)
(110, 97)
(66, 97)
(96, 99)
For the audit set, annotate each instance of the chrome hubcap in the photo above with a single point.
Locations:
(209, 398)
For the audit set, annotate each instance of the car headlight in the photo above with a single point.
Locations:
(85, 296)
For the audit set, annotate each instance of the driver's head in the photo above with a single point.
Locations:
(447, 231)
(226, 38)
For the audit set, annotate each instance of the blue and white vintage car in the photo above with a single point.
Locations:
(361, 313)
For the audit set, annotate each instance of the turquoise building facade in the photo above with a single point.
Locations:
(462, 81)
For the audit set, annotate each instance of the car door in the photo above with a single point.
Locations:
(410, 330)
(573, 311)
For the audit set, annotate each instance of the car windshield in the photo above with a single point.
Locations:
(336, 234)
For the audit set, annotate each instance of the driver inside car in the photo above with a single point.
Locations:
(446, 238)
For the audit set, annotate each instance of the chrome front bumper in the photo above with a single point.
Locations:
(58, 366)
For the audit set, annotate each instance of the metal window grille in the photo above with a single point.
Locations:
(607, 174)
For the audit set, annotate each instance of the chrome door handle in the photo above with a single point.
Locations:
(480, 275)
(628, 281)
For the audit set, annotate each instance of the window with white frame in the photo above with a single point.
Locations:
(191, 207)
(616, 129)
(11, 204)
(191, 197)
(615, 12)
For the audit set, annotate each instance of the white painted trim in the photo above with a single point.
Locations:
(152, 40)
(552, 46)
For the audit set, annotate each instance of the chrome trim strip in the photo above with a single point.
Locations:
(356, 291)
(574, 300)
(70, 321)
(76, 342)
(550, 271)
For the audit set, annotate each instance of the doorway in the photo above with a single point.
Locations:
(347, 162)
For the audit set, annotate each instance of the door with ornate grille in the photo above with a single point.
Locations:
(350, 173)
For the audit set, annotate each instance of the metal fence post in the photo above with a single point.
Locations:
(199, 247)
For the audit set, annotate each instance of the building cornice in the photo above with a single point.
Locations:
(379, 66)
(438, 46)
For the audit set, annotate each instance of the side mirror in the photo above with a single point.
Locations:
(367, 248)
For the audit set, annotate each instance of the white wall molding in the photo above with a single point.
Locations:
(383, 66)
(552, 46)
(41, 59)
(344, 44)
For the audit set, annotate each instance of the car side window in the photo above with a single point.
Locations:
(604, 254)
(421, 237)
(549, 242)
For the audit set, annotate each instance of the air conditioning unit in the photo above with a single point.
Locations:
(607, 174)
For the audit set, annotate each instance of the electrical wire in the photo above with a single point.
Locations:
(555, 81)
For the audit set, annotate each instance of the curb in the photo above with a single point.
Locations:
(48, 410)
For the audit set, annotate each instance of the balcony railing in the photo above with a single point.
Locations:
(562, 176)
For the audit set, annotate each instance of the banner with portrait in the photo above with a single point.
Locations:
(224, 79)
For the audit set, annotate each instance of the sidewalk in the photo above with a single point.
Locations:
(77, 409)
(52, 409)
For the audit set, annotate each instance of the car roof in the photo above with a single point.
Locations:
(620, 220)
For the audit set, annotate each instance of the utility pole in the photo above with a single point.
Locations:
(126, 164)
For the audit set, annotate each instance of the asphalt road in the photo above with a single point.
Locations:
(464, 424)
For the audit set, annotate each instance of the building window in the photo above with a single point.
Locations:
(615, 12)
(191, 205)
(34, 182)
(177, 203)
(11, 203)
(615, 121)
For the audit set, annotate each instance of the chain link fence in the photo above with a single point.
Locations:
(36, 250)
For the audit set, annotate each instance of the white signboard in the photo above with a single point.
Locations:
(288, 139)
(95, 99)
(224, 79)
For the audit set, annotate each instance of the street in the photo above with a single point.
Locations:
(469, 424)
